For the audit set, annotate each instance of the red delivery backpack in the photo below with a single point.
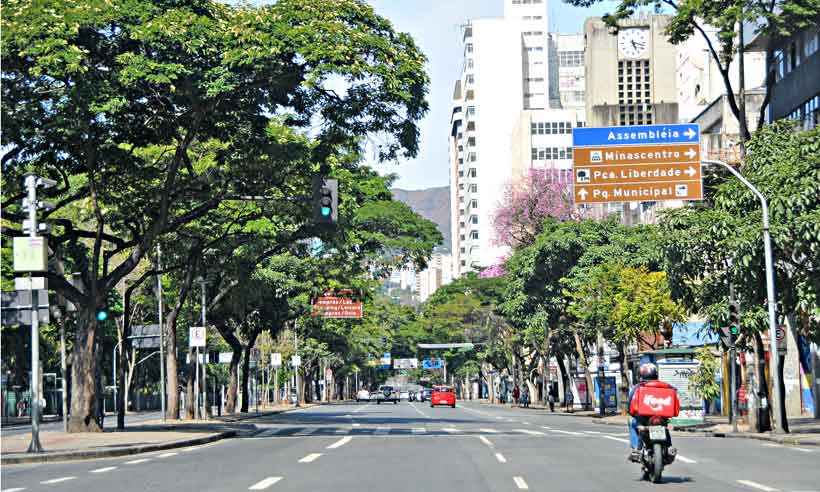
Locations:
(655, 398)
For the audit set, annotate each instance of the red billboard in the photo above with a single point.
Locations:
(333, 306)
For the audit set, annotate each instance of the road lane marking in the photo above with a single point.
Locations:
(342, 431)
(381, 431)
(57, 480)
(103, 470)
(361, 408)
(545, 427)
(450, 430)
(500, 417)
(357, 425)
(571, 433)
(167, 455)
(136, 462)
(526, 423)
(485, 441)
(18, 489)
(419, 411)
(520, 483)
(263, 484)
(530, 432)
(419, 430)
(489, 431)
(500, 457)
(758, 486)
(341, 442)
(309, 458)
(307, 431)
(592, 432)
(619, 439)
(685, 459)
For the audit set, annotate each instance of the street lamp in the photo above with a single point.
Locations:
(780, 418)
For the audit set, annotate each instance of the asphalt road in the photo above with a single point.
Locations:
(110, 421)
(411, 447)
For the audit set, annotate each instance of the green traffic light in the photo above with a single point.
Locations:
(325, 211)
(734, 330)
(102, 315)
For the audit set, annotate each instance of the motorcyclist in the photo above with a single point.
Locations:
(648, 372)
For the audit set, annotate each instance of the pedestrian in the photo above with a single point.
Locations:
(551, 398)
(525, 397)
(516, 394)
(21, 407)
(569, 400)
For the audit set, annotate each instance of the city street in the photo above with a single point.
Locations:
(410, 447)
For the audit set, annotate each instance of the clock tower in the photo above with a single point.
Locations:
(630, 75)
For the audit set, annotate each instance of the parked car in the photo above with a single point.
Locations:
(404, 395)
(443, 395)
(424, 394)
(363, 395)
(387, 393)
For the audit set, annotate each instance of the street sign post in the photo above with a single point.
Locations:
(637, 163)
(276, 359)
(196, 336)
(295, 361)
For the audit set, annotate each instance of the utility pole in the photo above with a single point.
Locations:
(781, 423)
(204, 412)
(296, 367)
(161, 334)
(732, 369)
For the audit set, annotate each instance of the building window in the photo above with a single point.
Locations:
(473, 188)
(463, 250)
(535, 79)
(473, 172)
(461, 174)
(471, 142)
(463, 263)
(469, 63)
(473, 203)
(811, 45)
(571, 58)
(472, 157)
(474, 219)
(470, 110)
(473, 234)
(532, 49)
(634, 104)
(470, 78)
(462, 225)
(463, 237)
(468, 48)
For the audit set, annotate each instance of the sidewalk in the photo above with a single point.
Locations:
(12, 422)
(804, 431)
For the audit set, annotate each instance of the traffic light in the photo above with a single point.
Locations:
(734, 318)
(325, 200)
(102, 314)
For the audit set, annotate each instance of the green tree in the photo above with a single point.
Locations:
(704, 382)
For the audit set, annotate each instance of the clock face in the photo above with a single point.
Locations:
(633, 42)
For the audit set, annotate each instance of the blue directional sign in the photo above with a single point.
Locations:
(636, 135)
(432, 363)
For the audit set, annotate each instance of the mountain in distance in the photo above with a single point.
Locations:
(432, 204)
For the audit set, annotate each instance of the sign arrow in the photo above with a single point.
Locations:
(690, 133)
(690, 153)
(583, 194)
(691, 171)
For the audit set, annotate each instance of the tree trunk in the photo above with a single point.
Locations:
(579, 347)
(190, 397)
(623, 388)
(84, 401)
(122, 365)
(233, 384)
(246, 365)
(562, 368)
(129, 376)
(171, 363)
(763, 420)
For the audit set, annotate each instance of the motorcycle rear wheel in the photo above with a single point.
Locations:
(657, 462)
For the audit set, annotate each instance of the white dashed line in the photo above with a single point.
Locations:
(685, 459)
(103, 470)
(500, 417)
(263, 484)
(18, 489)
(520, 483)
(342, 431)
(545, 427)
(357, 425)
(526, 423)
(758, 486)
(310, 458)
(57, 480)
(137, 462)
(571, 433)
(381, 431)
(341, 442)
(530, 432)
(500, 457)
(419, 411)
(167, 455)
(592, 432)
(419, 430)
(307, 431)
(485, 441)
(450, 430)
(489, 431)
(620, 440)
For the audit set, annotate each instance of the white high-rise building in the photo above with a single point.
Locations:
(504, 121)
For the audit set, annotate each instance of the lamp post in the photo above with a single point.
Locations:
(781, 425)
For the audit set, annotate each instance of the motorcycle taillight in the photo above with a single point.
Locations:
(656, 420)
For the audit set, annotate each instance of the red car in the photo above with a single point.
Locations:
(443, 395)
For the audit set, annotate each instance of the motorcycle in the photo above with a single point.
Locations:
(657, 450)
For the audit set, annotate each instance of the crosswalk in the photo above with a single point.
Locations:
(381, 430)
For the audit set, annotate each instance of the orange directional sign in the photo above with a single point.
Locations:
(637, 163)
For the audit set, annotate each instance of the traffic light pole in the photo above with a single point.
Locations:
(781, 425)
(732, 368)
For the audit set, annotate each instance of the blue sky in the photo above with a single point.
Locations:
(434, 24)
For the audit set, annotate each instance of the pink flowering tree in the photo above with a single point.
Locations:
(493, 271)
(529, 200)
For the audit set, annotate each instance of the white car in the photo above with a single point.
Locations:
(363, 395)
(404, 395)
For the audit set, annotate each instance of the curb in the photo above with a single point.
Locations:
(230, 420)
(22, 458)
(794, 441)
